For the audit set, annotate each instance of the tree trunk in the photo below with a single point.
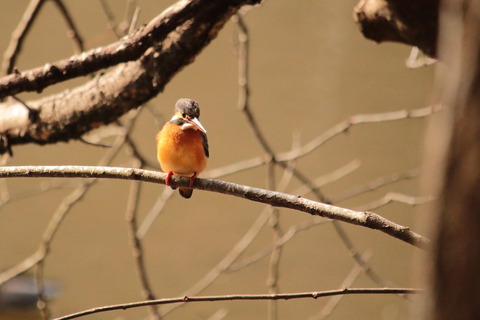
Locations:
(456, 284)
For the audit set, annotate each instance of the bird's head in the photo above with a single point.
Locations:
(187, 113)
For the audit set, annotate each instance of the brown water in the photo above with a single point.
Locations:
(310, 69)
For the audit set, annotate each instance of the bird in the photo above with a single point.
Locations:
(182, 144)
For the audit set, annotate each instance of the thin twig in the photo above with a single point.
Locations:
(376, 184)
(67, 203)
(346, 283)
(355, 254)
(129, 15)
(345, 125)
(236, 167)
(237, 249)
(133, 23)
(284, 296)
(338, 129)
(112, 23)
(128, 48)
(219, 315)
(396, 197)
(286, 237)
(95, 144)
(137, 248)
(417, 59)
(19, 34)
(274, 264)
(228, 259)
(54, 224)
(72, 30)
(153, 214)
(244, 105)
(330, 177)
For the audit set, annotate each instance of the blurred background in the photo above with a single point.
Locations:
(310, 69)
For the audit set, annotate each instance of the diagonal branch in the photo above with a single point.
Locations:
(72, 30)
(15, 46)
(278, 199)
(126, 49)
(189, 26)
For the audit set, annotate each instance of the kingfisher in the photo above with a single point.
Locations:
(182, 145)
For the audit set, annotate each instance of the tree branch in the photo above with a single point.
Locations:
(412, 22)
(278, 199)
(167, 44)
(285, 296)
(15, 46)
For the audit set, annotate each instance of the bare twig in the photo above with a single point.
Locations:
(229, 258)
(131, 10)
(102, 100)
(137, 248)
(133, 23)
(129, 48)
(396, 197)
(54, 224)
(154, 212)
(219, 315)
(48, 236)
(237, 249)
(377, 183)
(340, 128)
(244, 105)
(112, 23)
(345, 125)
(39, 256)
(19, 34)
(330, 177)
(284, 296)
(355, 254)
(72, 30)
(244, 92)
(346, 283)
(417, 59)
(274, 264)
(287, 236)
(236, 167)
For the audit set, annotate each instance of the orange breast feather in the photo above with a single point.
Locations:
(180, 151)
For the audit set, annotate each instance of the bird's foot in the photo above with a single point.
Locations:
(168, 178)
(192, 179)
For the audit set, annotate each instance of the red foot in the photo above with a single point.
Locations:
(192, 179)
(168, 178)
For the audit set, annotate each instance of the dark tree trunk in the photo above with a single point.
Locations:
(456, 287)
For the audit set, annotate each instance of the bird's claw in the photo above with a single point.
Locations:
(192, 179)
(168, 178)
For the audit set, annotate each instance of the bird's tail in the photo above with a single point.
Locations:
(185, 192)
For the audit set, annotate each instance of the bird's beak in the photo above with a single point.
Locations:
(194, 123)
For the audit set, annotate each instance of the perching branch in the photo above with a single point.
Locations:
(278, 199)
(285, 296)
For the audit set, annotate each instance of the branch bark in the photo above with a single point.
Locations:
(284, 296)
(456, 254)
(278, 199)
(412, 22)
(166, 45)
